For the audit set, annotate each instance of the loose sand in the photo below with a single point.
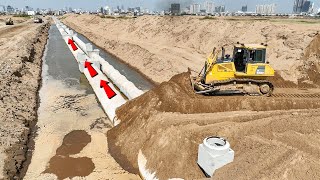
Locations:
(161, 47)
(167, 124)
(273, 138)
(21, 48)
(65, 111)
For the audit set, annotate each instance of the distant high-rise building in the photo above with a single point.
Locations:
(306, 6)
(302, 6)
(175, 9)
(195, 8)
(28, 8)
(220, 9)
(130, 9)
(266, 9)
(297, 6)
(3, 8)
(10, 9)
(244, 8)
(209, 7)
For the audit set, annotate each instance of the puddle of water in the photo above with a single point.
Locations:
(73, 143)
(131, 74)
(67, 167)
(64, 166)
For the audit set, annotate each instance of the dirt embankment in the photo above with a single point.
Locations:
(16, 20)
(161, 47)
(169, 122)
(311, 64)
(21, 51)
(273, 138)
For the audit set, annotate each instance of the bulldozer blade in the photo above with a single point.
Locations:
(208, 91)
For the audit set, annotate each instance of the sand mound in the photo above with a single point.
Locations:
(168, 122)
(311, 65)
(161, 47)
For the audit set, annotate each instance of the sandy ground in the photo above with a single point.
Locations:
(161, 47)
(16, 20)
(63, 110)
(273, 138)
(71, 141)
(21, 51)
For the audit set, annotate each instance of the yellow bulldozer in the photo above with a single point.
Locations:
(9, 21)
(244, 73)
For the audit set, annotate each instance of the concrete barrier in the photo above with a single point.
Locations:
(109, 104)
(125, 86)
(99, 82)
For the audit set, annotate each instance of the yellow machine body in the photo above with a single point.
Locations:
(246, 72)
(226, 70)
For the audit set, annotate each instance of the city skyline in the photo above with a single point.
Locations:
(283, 6)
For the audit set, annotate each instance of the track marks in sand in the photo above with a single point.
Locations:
(11, 31)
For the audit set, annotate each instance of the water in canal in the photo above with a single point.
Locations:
(61, 64)
(68, 110)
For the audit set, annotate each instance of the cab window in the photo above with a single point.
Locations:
(257, 56)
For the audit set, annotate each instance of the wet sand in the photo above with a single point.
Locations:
(64, 166)
(71, 140)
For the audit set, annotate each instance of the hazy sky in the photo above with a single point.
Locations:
(231, 5)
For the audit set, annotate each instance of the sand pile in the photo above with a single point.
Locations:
(161, 47)
(273, 137)
(168, 122)
(311, 64)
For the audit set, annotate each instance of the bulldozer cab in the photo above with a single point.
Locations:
(245, 54)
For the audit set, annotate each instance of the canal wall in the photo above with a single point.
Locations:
(110, 86)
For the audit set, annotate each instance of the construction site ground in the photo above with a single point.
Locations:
(273, 137)
(59, 131)
(21, 47)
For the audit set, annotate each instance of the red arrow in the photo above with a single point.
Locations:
(110, 93)
(91, 70)
(71, 42)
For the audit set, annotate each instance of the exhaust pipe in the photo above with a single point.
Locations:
(223, 53)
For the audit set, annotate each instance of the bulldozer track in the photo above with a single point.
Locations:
(283, 95)
(241, 80)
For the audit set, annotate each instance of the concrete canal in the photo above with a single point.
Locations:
(131, 74)
(71, 129)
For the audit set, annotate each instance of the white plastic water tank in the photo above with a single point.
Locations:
(214, 153)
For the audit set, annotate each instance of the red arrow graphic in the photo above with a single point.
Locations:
(71, 42)
(91, 70)
(110, 93)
